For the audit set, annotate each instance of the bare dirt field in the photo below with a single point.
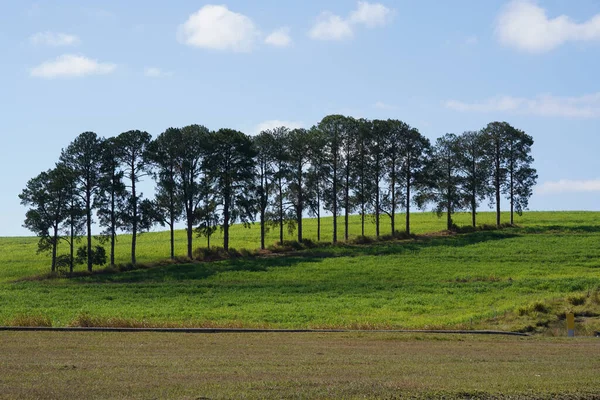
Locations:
(80, 365)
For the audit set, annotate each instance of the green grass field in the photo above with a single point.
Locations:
(521, 278)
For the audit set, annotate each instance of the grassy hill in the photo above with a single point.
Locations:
(519, 278)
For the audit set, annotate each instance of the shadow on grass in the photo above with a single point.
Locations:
(411, 245)
(203, 270)
(197, 270)
(545, 229)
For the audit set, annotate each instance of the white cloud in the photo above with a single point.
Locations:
(329, 26)
(275, 123)
(215, 27)
(54, 39)
(569, 186)
(586, 106)
(70, 65)
(526, 26)
(154, 72)
(371, 15)
(279, 38)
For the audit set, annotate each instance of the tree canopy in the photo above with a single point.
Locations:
(213, 179)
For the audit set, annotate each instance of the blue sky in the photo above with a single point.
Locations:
(111, 66)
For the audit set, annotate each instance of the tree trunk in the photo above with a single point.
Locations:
(497, 182)
(54, 246)
(189, 233)
(280, 213)
(474, 193)
(512, 197)
(172, 226)
(346, 206)
(263, 204)
(113, 225)
(71, 244)
(318, 217)
(262, 228)
(408, 183)
(393, 205)
(362, 203)
(377, 208)
(300, 207)
(449, 199)
(226, 221)
(88, 206)
(449, 217)
(362, 219)
(335, 210)
(172, 220)
(135, 215)
(473, 210)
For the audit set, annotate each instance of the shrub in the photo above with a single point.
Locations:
(219, 253)
(576, 300)
(362, 240)
(98, 255)
(309, 244)
(595, 296)
(535, 308)
(33, 320)
(293, 245)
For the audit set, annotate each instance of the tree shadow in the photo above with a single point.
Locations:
(546, 229)
(197, 270)
(204, 270)
(412, 245)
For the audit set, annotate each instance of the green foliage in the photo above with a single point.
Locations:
(98, 255)
(230, 174)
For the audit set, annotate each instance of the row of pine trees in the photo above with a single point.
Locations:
(212, 179)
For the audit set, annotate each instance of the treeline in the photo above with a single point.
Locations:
(213, 179)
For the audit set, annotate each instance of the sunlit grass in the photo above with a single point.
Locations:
(457, 281)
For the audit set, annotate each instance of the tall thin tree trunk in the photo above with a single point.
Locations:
(346, 212)
(172, 226)
(113, 224)
(377, 208)
(189, 233)
(226, 222)
(318, 216)
(393, 210)
(300, 207)
(512, 197)
(88, 199)
(362, 219)
(449, 212)
(474, 194)
(135, 218)
(54, 246)
(280, 212)
(362, 202)
(263, 204)
(71, 244)
(262, 228)
(473, 210)
(497, 182)
(408, 183)
(335, 210)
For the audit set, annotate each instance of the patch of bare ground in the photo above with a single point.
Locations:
(48, 365)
